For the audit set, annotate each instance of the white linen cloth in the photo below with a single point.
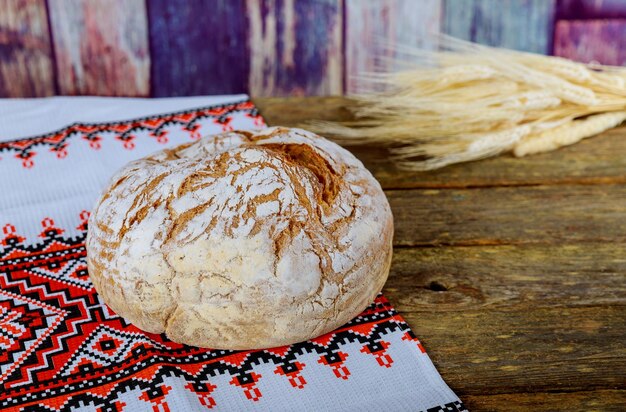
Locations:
(61, 348)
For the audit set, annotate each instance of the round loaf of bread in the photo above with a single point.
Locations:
(241, 240)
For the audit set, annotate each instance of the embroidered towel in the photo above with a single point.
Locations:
(62, 348)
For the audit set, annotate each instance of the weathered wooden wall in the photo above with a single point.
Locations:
(295, 47)
(373, 26)
(26, 66)
(270, 47)
(198, 47)
(100, 47)
(516, 24)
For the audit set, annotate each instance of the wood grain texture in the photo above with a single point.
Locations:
(26, 68)
(510, 271)
(515, 24)
(598, 160)
(508, 277)
(509, 215)
(295, 47)
(590, 9)
(198, 47)
(600, 41)
(101, 47)
(374, 28)
(485, 351)
(590, 401)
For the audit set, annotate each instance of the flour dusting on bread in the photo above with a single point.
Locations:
(242, 241)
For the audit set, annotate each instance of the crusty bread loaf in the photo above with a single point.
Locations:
(241, 241)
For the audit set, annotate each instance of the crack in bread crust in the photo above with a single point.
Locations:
(241, 240)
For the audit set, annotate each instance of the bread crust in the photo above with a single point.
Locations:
(241, 241)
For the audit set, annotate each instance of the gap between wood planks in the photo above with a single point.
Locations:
(492, 308)
(488, 242)
(590, 181)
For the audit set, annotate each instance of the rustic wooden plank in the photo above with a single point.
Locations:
(508, 277)
(599, 401)
(26, 68)
(522, 25)
(600, 41)
(509, 215)
(590, 9)
(537, 324)
(198, 47)
(598, 160)
(373, 28)
(293, 111)
(101, 47)
(295, 47)
(482, 352)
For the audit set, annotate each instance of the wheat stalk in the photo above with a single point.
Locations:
(568, 133)
(468, 101)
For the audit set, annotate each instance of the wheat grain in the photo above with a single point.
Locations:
(532, 100)
(568, 133)
(609, 82)
(563, 68)
(470, 101)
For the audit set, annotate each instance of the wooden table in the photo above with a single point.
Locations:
(512, 272)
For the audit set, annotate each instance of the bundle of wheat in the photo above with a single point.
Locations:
(467, 101)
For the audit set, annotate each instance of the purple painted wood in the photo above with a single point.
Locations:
(295, 47)
(26, 68)
(601, 41)
(373, 28)
(268, 47)
(590, 9)
(100, 47)
(198, 47)
(516, 24)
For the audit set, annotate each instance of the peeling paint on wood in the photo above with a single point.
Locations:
(515, 24)
(295, 47)
(26, 68)
(101, 47)
(198, 47)
(270, 47)
(600, 41)
(374, 28)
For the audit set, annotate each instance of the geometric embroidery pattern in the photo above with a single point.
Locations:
(62, 348)
(86, 353)
(125, 131)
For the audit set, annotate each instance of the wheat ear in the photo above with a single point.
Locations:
(568, 133)
(468, 101)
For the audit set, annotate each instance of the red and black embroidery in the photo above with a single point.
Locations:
(61, 348)
(62, 345)
(125, 131)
